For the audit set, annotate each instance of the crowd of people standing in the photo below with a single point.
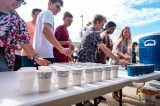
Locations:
(29, 44)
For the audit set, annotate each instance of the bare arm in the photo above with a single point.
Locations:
(107, 51)
(64, 42)
(118, 53)
(111, 55)
(30, 51)
(124, 56)
(69, 43)
(129, 52)
(46, 29)
(116, 44)
(127, 55)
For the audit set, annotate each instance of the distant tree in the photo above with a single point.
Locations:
(87, 25)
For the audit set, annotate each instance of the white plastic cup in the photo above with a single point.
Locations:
(44, 68)
(26, 79)
(62, 78)
(44, 80)
(76, 76)
(106, 73)
(88, 75)
(114, 71)
(97, 73)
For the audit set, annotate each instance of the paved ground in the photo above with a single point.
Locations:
(132, 100)
(127, 101)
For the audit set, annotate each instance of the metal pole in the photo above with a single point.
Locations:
(120, 100)
(82, 25)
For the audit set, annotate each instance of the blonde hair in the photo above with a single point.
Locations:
(121, 37)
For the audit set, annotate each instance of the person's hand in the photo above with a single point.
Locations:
(66, 51)
(122, 63)
(126, 58)
(41, 61)
(71, 47)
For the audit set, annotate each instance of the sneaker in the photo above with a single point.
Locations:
(79, 104)
(101, 99)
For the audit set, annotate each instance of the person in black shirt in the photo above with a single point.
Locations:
(134, 45)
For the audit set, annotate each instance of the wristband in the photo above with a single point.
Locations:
(34, 57)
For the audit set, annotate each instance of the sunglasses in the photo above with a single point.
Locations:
(21, 1)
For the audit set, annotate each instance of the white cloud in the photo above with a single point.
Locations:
(120, 11)
(139, 2)
(25, 10)
(137, 37)
(135, 17)
(146, 17)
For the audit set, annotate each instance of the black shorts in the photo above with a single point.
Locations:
(75, 57)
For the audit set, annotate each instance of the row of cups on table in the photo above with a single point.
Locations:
(62, 73)
(27, 77)
(140, 69)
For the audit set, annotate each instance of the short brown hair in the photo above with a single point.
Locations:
(55, 1)
(67, 14)
(99, 18)
(36, 10)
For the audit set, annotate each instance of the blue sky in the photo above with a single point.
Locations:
(143, 16)
(153, 15)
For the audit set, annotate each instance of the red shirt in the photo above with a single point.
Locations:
(61, 34)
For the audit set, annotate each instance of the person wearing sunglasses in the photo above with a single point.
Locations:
(13, 30)
(44, 39)
(21, 1)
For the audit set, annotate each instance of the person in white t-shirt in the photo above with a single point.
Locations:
(44, 39)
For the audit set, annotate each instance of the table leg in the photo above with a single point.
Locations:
(139, 88)
(95, 102)
(120, 99)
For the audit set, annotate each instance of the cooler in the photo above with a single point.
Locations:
(149, 49)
